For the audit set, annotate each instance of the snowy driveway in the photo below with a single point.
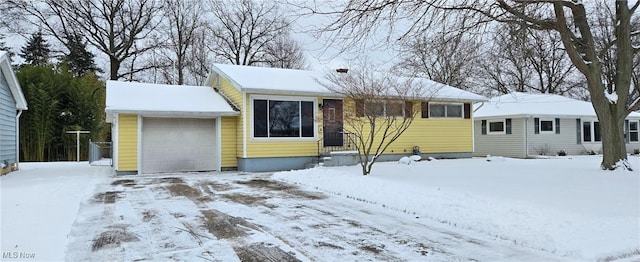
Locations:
(231, 217)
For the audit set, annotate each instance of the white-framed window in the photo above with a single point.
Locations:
(438, 110)
(591, 131)
(633, 131)
(283, 117)
(547, 126)
(497, 127)
(384, 108)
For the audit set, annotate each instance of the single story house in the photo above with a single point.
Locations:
(12, 103)
(268, 119)
(525, 125)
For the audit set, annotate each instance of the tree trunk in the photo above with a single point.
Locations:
(611, 117)
(613, 144)
(114, 66)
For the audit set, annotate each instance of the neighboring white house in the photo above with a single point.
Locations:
(525, 125)
(12, 102)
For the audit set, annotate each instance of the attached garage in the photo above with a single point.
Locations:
(165, 128)
(178, 145)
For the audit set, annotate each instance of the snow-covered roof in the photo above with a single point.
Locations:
(523, 104)
(446, 92)
(272, 80)
(304, 82)
(14, 86)
(165, 100)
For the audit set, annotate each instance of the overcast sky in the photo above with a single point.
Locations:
(318, 56)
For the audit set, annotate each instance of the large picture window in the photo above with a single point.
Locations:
(282, 118)
(445, 110)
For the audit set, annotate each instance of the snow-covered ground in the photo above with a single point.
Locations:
(565, 205)
(558, 209)
(39, 204)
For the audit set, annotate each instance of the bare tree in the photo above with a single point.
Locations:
(285, 52)
(183, 21)
(506, 68)
(524, 60)
(118, 28)
(244, 29)
(446, 57)
(382, 108)
(613, 98)
(201, 55)
(554, 72)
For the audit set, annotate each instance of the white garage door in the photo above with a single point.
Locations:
(178, 144)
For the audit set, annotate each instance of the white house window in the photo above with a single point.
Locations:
(591, 131)
(445, 110)
(547, 125)
(283, 118)
(497, 127)
(633, 131)
(384, 108)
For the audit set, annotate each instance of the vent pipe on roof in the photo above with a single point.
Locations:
(342, 70)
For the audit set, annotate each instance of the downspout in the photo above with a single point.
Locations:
(481, 105)
(526, 137)
(473, 129)
(18, 138)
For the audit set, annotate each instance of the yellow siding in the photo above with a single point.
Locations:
(228, 139)
(231, 92)
(281, 148)
(436, 136)
(432, 135)
(127, 143)
(239, 145)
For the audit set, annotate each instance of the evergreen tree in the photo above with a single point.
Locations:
(37, 50)
(79, 59)
(59, 101)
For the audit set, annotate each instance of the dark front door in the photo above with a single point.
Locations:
(332, 122)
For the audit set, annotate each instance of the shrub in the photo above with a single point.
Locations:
(543, 150)
(591, 152)
(636, 151)
(562, 153)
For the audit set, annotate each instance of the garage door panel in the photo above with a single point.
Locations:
(175, 145)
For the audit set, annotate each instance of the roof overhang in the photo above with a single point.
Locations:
(157, 100)
(14, 85)
(545, 116)
(168, 114)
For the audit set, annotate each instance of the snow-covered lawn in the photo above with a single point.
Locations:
(565, 206)
(559, 209)
(39, 204)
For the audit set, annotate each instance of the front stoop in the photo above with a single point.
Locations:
(341, 158)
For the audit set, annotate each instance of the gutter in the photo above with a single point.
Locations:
(18, 137)
(526, 137)
(174, 113)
